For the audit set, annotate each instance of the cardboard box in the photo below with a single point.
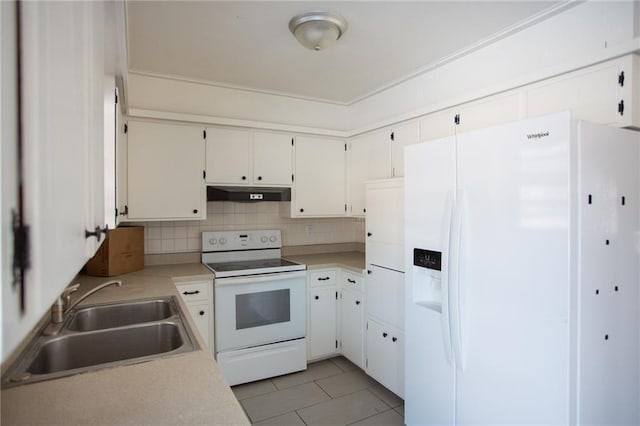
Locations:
(121, 252)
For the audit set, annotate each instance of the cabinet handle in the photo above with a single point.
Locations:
(244, 178)
(385, 334)
(187, 293)
(195, 211)
(96, 232)
(259, 177)
(369, 234)
(357, 302)
(317, 297)
(394, 339)
(323, 278)
(202, 313)
(369, 271)
(351, 281)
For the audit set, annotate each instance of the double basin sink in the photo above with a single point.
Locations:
(106, 335)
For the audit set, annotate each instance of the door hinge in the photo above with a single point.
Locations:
(126, 128)
(621, 79)
(345, 146)
(456, 119)
(291, 141)
(367, 325)
(366, 363)
(336, 295)
(204, 134)
(393, 136)
(115, 100)
(292, 179)
(21, 254)
(345, 207)
(336, 344)
(204, 174)
(621, 107)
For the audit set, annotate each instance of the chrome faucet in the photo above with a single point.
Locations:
(61, 306)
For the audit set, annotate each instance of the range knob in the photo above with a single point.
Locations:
(272, 238)
(264, 239)
(222, 241)
(212, 241)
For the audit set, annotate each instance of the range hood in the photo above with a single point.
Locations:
(247, 193)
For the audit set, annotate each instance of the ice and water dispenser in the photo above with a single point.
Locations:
(427, 282)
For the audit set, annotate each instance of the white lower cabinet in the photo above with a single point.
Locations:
(322, 306)
(385, 355)
(198, 296)
(352, 318)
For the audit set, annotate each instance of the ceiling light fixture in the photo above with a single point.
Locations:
(317, 30)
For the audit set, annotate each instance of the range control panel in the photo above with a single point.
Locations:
(241, 240)
(427, 259)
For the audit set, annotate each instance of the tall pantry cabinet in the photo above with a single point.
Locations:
(384, 290)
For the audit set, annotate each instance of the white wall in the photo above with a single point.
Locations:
(184, 97)
(580, 36)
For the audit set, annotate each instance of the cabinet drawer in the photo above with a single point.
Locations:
(194, 291)
(323, 278)
(351, 281)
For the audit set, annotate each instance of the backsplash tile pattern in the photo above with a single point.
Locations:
(184, 236)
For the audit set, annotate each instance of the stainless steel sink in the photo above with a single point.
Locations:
(108, 335)
(110, 316)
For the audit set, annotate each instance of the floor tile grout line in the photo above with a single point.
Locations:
(373, 415)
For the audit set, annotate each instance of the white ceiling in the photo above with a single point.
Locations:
(248, 44)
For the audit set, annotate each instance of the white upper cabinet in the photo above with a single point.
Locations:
(402, 135)
(488, 112)
(319, 188)
(62, 71)
(227, 156)
(600, 94)
(165, 171)
(385, 224)
(272, 159)
(369, 158)
(242, 157)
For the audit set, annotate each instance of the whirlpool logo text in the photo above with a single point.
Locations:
(538, 135)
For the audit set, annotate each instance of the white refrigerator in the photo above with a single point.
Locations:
(521, 252)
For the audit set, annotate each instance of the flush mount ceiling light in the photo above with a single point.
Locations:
(317, 30)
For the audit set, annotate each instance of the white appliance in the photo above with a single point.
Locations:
(522, 276)
(260, 305)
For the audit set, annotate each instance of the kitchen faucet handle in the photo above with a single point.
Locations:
(66, 294)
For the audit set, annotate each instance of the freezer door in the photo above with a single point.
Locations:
(510, 299)
(429, 367)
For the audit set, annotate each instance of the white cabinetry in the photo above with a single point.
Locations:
(369, 158)
(385, 355)
(165, 167)
(352, 317)
(322, 308)
(402, 135)
(319, 188)
(198, 297)
(385, 224)
(242, 157)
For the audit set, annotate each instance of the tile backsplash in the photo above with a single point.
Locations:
(184, 236)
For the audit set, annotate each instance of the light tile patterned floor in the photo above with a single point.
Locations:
(330, 392)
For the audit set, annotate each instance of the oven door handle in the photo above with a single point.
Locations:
(252, 279)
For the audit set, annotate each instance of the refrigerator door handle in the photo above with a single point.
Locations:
(445, 319)
(455, 285)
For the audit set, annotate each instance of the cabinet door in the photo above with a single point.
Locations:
(590, 94)
(352, 326)
(385, 356)
(272, 159)
(202, 317)
(369, 158)
(322, 338)
(437, 125)
(401, 136)
(385, 224)
(319, 184)
(62, 142)
(385, 295)
(121, 166)
(227, 156)
(489, 112)
(165, 167)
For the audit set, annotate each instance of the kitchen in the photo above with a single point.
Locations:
(521, 71)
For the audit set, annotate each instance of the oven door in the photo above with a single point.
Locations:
(259, 309)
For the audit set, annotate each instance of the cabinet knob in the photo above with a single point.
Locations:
(301, 210)
(202, 313)
(357, 302)
(317, 297)
(195, 211)
(364, 210)
(369, 234)
(369, 271)
(244, 178)
(259, 177)
(394, 339)
(385, 334)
